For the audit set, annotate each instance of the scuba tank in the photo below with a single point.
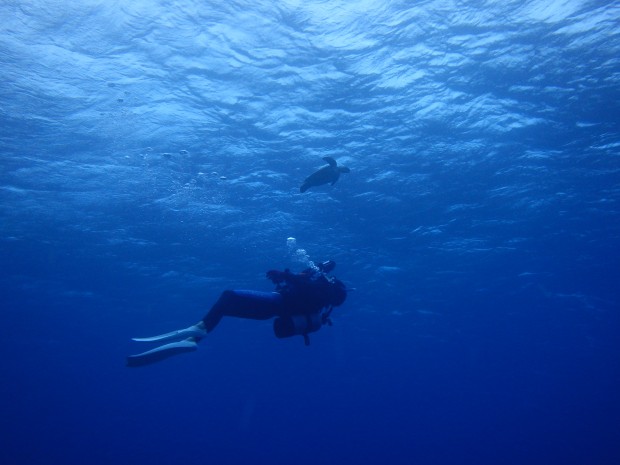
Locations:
(294, 325)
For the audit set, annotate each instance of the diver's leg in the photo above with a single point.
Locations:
(241, 304)
(254, 305)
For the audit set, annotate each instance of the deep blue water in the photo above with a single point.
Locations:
(151, 154)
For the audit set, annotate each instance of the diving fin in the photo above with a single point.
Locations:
(160, 353)
(196, 330)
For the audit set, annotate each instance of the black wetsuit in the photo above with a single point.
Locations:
(305, 293)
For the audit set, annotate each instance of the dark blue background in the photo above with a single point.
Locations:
(142, 173)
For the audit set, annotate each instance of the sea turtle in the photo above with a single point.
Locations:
(327, 174)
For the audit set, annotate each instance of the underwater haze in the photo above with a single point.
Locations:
(151, 156)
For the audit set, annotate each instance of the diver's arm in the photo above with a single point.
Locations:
(287, 277)
(278, 277)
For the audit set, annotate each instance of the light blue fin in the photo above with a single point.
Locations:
(160, 353)
(192, 331)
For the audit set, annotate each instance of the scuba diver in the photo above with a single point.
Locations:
(301, 304)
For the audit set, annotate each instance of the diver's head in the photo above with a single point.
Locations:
(338, 293)
(327, 267)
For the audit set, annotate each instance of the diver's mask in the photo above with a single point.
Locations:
(327, 267)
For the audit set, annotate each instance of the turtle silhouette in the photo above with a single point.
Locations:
(327, 174)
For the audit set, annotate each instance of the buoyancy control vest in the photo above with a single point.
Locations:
(297, 325)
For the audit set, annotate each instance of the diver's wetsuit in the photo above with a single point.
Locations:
(297, 305)
(296, 294)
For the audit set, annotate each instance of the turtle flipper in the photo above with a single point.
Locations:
(331, 161)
